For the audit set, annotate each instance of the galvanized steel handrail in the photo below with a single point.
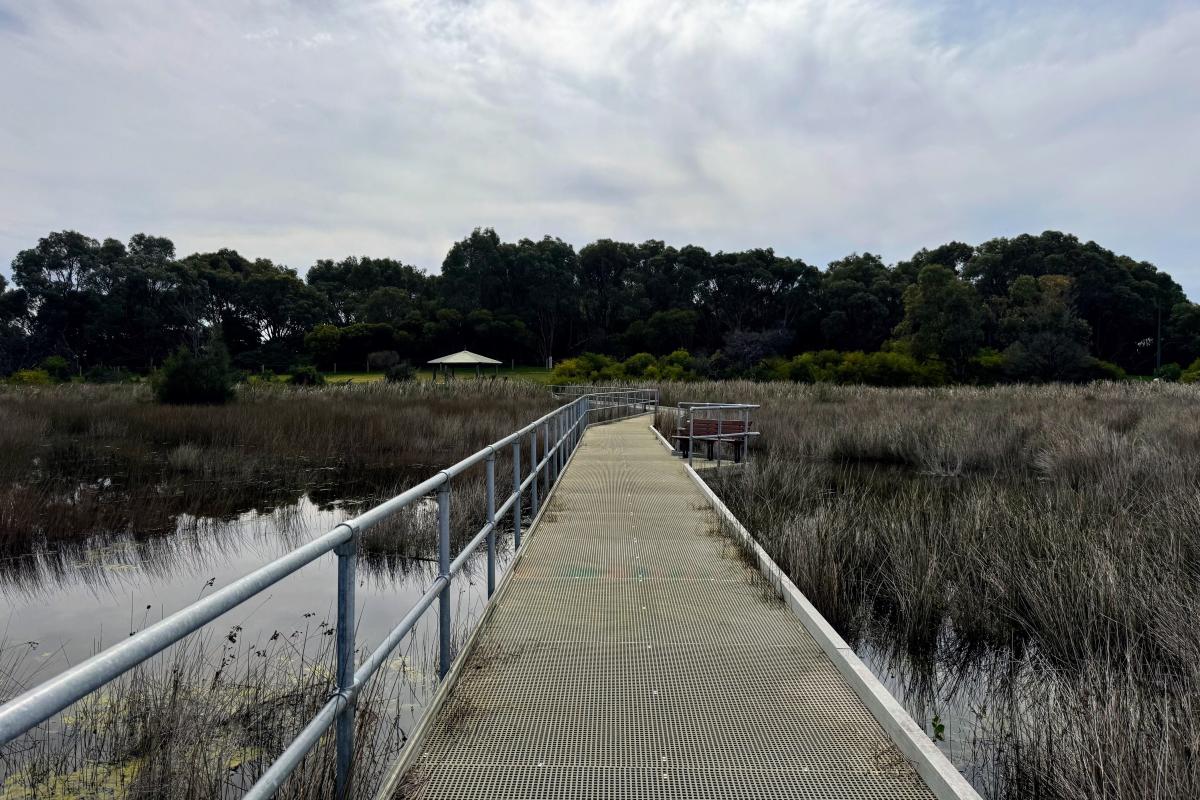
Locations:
(560, 431)
(743, 410)
(578, 389)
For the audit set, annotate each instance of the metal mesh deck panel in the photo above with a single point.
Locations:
(636, 655)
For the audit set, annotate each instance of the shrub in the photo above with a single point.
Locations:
(1169, 372)
(57, 367)
(820, 366)
(588, 368)
(772, 369)
(890, 369)
(1192, 373)
(677, 365)
(306, 376)
(637, 366)
(884, 368)
(1098, 370)
(101, 374)
(987, 367)
(800, 371)
(382, 359)
(203, 378)
(30, 377)
(400, 373)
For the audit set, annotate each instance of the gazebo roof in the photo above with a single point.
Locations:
(464, 357)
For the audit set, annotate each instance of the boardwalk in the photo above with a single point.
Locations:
(634, 654)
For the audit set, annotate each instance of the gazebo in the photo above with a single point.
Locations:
(465, 358)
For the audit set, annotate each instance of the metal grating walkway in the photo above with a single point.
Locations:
(634, 654)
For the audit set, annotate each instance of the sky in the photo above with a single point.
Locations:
(304, 129)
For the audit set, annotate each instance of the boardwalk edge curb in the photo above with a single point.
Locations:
(946, 782)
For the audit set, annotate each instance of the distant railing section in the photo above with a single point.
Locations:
(549, 442)
(569, 390)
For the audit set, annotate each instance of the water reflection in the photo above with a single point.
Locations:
(78, 598)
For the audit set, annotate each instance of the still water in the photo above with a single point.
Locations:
(59, 607)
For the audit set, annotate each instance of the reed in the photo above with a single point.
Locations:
(80, 460)
(1051, 533)
(208, 717)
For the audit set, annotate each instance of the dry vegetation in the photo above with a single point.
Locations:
(80, 460)
(1039, 544)
(206, 719)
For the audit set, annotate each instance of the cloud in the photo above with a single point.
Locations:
(300, 130)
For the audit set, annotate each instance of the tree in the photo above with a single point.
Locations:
(59, 278)
(14, 337)
(259, 309)
(605, 296)
(1048, 339)
(105, 305)
(758, 290)
(943, 318)
(662, 333)
(356, 342)
(323, 343)
(348, 285)
(1121, 300)
(545, 278)
(473, 273)
(861, 303)
(955, 255)
(1181, 333)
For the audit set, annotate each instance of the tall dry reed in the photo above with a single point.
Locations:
(81, 460)
(1052, 533)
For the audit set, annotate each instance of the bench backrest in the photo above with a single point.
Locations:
(708, 427)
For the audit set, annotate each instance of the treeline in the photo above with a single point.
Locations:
(1045, 307)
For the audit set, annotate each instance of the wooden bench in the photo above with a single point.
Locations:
(731, 431)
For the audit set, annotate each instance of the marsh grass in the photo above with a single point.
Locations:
(86, 468)
(206, 718)
(1041, 545)
(80, 460)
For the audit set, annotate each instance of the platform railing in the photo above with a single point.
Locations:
(549, 442)
(721, 413)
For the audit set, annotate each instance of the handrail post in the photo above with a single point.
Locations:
(444, 572)
(720, 426)
(516, 458)
(560, 431)
(533, 470)
(691, 435)
(347, 563)
(545, 470)
(746, 435)
(551, 452)
(555, 428)
(491, 520)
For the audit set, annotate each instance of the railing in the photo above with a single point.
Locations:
(560, 432)
(567, 390)
(740, 413)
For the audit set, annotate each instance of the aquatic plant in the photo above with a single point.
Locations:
(1037, 548)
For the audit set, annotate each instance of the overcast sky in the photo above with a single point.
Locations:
(313, 129)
